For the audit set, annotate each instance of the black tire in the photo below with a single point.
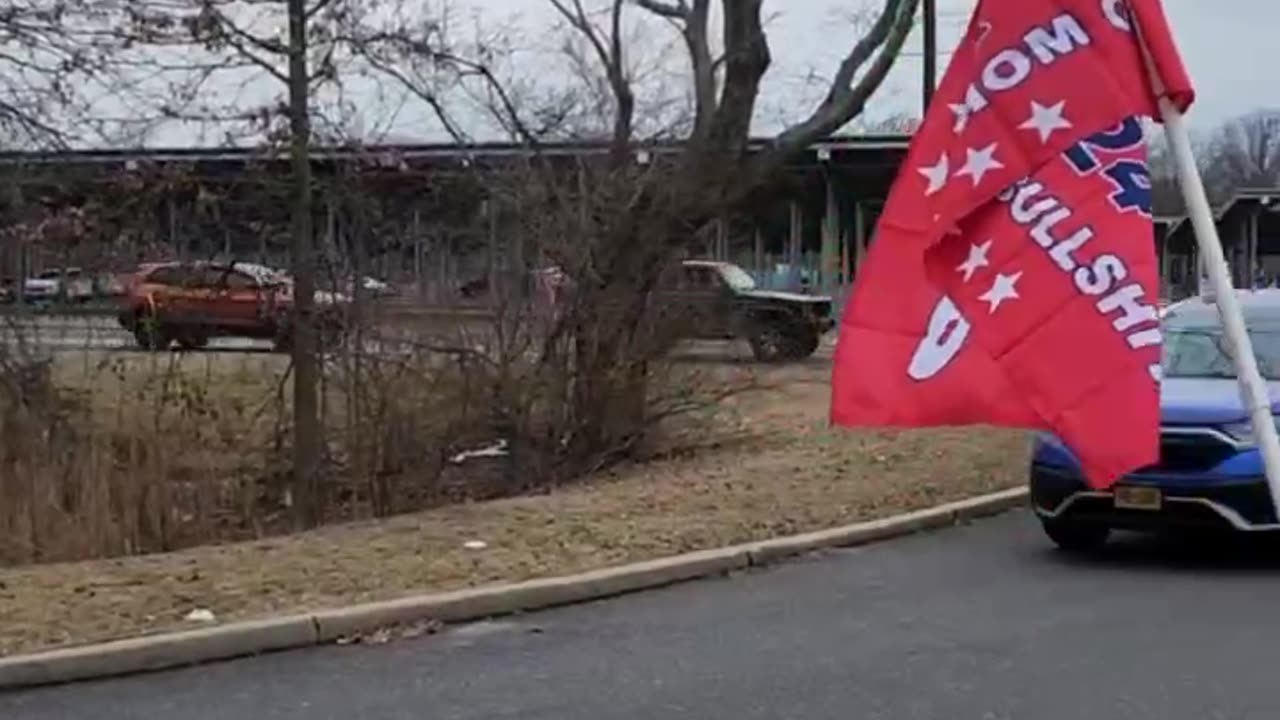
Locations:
(768, 343)
(192, 339)
(806, 344)
(150, 334)
(283, 342)
(778, 342)
(331, 335)
(1076, 537)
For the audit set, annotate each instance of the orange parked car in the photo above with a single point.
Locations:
(189, 303)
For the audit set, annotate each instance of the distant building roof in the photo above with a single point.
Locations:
(1242, 195)
(395, 152)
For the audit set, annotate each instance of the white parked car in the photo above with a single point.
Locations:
(70, 284)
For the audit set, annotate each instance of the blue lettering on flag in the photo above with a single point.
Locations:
(1083, 155)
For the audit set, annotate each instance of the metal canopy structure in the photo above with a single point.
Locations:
(1249, 225)
(815, 229)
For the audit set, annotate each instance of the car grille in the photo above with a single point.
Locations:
(1191, 451)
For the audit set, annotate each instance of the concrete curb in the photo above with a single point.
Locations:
(156, 652)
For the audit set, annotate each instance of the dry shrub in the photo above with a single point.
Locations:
(110, 456)
(109, 453)
(104, 455)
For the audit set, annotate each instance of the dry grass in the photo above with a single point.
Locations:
(159, 452)
(149, 453)
(773, 468)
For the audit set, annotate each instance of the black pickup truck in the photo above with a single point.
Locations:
(720, 301)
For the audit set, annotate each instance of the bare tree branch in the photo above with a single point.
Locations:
(846, 99)
(677, 10)
(219, 28)
(52, 59)
(1245, 151)
(610, 54)
(747, 58)
(387, 51)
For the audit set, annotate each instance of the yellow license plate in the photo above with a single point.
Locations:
(1137, 498)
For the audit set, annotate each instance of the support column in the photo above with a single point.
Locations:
(830, 238)
(1238, 258)
(445, 289)
(1253, 245)
(758, 251)
(415, 227)
(1166, 265)
(845, 277)
(177, 244)
(491, 232)
(860, 235)
(334, 244)
(795, 240)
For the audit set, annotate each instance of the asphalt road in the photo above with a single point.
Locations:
(983, 622)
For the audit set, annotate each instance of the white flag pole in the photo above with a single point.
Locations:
(1253, 389)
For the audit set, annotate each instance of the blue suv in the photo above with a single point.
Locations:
(1210, 474)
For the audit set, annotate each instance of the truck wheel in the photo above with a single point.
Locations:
(779, 343)
(768, 343)
(806, 344)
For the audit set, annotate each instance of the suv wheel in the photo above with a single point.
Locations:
(768, 343)
(1076, 537)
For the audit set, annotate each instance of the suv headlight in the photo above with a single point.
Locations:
(1243, 431)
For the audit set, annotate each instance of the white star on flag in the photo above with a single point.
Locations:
(971, 103)
(961, 111)
(936, 174)
(1045, 119)
(1004, 288)
(979, 162)
(977, 260)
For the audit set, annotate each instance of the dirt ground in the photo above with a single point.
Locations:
(773, 468)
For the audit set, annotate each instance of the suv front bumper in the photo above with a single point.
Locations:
(1242, 504)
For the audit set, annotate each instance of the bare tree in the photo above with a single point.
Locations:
(46, 51)
(1166, 194)
(214, 43)
(1245, 152)
(625, 215)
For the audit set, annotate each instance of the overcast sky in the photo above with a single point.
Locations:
(1226, 50)
(1228, 46)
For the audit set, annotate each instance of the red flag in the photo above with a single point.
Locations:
(1012, 280)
